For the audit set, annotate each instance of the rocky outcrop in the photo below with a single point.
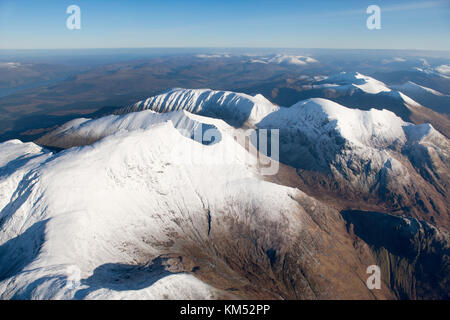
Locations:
(414, 256)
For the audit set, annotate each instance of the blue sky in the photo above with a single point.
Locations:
(415, 24)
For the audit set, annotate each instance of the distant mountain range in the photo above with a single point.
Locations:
(363, 92)
(94, 89)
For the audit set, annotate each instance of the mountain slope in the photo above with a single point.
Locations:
(433, 99)
(83, 131)
(370, 160)
(355, 90)
(365, 157)
(237, 109)
(143, 209)
(140, 219)
(353, 82)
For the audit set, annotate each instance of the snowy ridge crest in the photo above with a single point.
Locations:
(239, 109)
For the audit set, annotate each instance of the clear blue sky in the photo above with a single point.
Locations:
(414, 24)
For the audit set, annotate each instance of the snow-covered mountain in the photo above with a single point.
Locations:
(284, 59)
(414, 87)
(363, 92)
(372, 155)
(137, 207)
(291, 59)
(431, 98)
(441, 71)
(83, 131)
(126, 218)
(237, 109)
(346, 81)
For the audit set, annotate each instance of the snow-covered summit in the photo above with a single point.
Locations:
(85, 131)
(410, 86)
(427, 97)
(317, 116)
(348, 80)
(237, 109)
(291, 59)
(362, 150)
(12, 149)
(188, 109)
(140, 207)
(284, 59)
(442, 70)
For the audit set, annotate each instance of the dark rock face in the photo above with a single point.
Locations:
(413, 255)
(308, 254)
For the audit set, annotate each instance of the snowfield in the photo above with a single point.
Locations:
(291, 60)
(315, 133)
(85, 131)
(137, 208)
(111, 204)
(347, 81)
(414, 87)
(237, 108)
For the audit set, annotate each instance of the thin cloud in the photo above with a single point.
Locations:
(416, 6)
(390, 8)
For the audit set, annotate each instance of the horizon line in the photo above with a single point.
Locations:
(224, 47)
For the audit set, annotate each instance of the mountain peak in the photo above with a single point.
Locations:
(345, 80)
(372, 127)
(409, 85)
(237, 108)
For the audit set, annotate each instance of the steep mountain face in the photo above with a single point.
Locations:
(414, 254)
(355, 90)
(370, 160)
(136, 217)
(365, 157)
(142, 208)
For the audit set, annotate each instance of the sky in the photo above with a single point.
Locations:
(413, 24)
